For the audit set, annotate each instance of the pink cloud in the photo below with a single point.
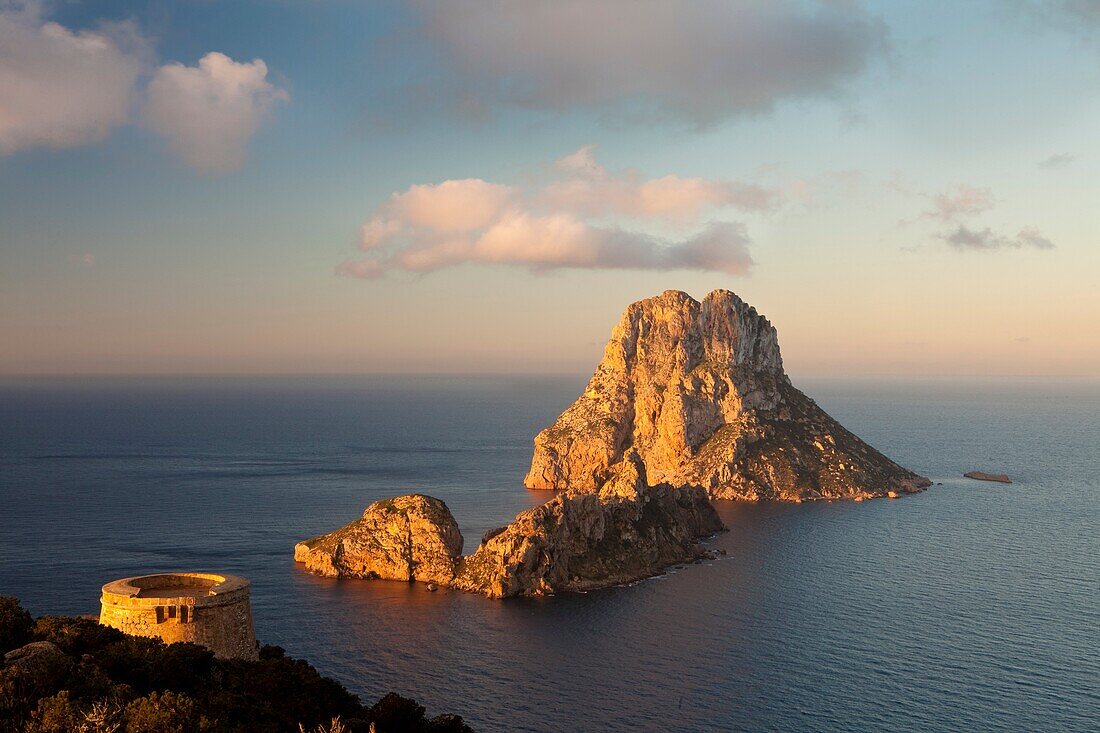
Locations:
(378, 230)
(432, 226)
(580, 162)
(544, 243)
(959, 205)
(961, 201)
(590, 189)
(449, 206)
(208, 113)
(366, 269)
(61, 88)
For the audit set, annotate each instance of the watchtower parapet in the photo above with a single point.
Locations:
(209, 609)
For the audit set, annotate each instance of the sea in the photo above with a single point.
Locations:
(969, 607)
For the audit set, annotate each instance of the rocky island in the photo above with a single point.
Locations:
(576, 541)
(410, 537)
(698, 390)
(690, 403)
(1000, 478)
(580, 541)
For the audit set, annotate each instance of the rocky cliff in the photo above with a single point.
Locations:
(410, 537)
(698, 391)
(581, 541)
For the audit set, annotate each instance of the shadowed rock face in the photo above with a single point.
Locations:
(699, 392)
(410, 537)
(580, 541)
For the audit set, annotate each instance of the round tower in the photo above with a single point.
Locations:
(209, 609)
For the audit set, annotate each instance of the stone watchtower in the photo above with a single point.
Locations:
(203, 608)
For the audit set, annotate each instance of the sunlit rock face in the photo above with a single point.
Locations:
(412, 537)
(581, 541)
(699, 392)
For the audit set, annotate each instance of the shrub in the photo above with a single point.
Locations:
(75, 635)
(55, 714)
(15, 625)
(82, 677)
(163, 712)
(40, 672)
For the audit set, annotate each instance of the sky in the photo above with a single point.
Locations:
(277, 186)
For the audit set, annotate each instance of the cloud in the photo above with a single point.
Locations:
(61, 88)
(207, 113)
(962, 201)
(965, 202)
(1080, 11)
(592, 190)
(964, 238)
(699, 61)
(1081, 17)
(433, 226)
(451, 206)
(1058, 160)
(86, 260)
(581, 162)
(558, 241)
(363, 269)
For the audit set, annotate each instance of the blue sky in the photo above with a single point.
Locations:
(929, 168)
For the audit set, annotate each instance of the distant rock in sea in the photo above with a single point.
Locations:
(412, 537)
(1000, 478)
(698, 391)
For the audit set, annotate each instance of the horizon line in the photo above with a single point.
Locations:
(519, 374)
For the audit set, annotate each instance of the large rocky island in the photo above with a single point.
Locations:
(699, 392)
(690, 403)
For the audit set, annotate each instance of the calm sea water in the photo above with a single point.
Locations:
(972, 606)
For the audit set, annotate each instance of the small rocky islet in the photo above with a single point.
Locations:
(689, 403)
(1000, 478)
